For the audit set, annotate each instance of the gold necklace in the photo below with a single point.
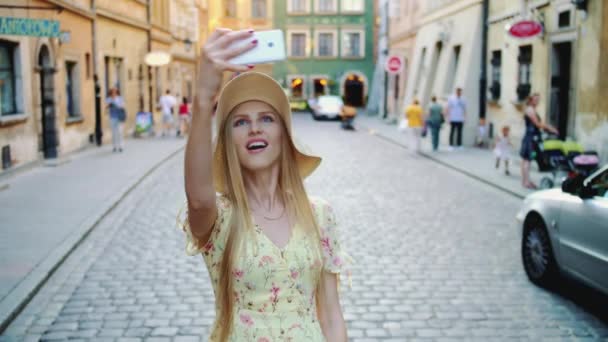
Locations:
(274, 218)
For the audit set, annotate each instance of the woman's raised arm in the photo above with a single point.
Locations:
(202, 210)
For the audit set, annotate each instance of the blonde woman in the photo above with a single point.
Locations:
(272, 252)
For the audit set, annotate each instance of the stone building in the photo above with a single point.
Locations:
(51, 51)
(566, 65)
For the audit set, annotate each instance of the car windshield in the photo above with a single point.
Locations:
(329, 101)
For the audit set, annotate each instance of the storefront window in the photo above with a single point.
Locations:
(525, 71)
(496, 63)
(8, 101)
(71, 85)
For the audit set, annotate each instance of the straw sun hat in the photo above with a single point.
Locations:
(256, 86)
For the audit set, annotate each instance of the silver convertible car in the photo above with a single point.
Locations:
(566, 231)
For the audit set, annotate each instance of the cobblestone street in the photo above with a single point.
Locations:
(436, 259)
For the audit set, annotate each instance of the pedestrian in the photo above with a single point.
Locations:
(435, 121)
(532, 138)
(456, 112)
(347, 116)
(184, 117)
(413, 113)
(167, 102)
(502, 149)
(116, 107)
(481, 140)
(271, 251)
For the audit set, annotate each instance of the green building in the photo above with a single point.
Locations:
(330, 48)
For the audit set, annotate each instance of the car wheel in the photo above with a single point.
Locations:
(546, 183)
(537, 253)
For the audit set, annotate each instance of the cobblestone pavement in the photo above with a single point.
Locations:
(437, 259)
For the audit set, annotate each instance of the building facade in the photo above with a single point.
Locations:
(244, 14)
(46, 86)
(566, 65)
(447, 55)
(52, 51)
(403, 25)
(329, 48)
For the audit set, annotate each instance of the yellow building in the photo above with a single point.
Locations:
(242, 14)
(46, 84)
(51, 52)
(121, 45)
(565, 65)
(404, 21)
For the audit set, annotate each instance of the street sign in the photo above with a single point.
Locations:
(394, 64)
(525, 29)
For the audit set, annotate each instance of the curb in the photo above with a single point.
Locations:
(23, 293)
(448, 165)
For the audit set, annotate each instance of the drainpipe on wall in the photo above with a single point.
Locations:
(98, 130)
(150, 86)
(483, 82)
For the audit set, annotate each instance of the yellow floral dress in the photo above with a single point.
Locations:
(274, 288)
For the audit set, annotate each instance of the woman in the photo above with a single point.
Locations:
(117, 112)
(272, 253)
(414, 113)
(184, 117)
(531, 138)
(435, 120)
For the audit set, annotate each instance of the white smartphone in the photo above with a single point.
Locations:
(270, 48)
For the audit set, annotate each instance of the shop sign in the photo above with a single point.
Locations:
(29, 27)
(525, 29)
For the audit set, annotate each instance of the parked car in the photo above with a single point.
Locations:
(565, 231)
(326, 107)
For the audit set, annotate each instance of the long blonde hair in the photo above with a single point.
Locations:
(296, 203)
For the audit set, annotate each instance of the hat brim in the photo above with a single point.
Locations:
(256, 86)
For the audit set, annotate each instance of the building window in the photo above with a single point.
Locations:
(419, 71)
(87, 65)
(352, 5)
(495, 65)
(8, 96)
(297, 44)
(258, 9)
(71, 89)
(524, 72)
(449, 84)
(325, 6)
(352, 43)
(298, 6)
(326, 44)
(230, 8)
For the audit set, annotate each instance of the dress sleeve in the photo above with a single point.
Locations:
(212, 248)
(335, 259)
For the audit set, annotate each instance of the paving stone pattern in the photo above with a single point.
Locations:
(437, 259)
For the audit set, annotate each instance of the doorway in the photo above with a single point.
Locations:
(353, 91)
(47, 99)
(561, 71)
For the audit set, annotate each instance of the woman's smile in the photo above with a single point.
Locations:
(255, 146)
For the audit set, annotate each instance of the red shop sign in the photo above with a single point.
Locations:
(525, 29)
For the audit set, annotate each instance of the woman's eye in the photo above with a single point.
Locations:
(240, 122)
(267, 118)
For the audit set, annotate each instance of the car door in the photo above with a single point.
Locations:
(583, 229)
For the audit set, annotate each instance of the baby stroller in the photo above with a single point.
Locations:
(559, 158)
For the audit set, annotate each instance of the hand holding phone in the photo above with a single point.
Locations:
(270, 47)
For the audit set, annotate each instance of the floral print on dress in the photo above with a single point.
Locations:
(274, 289)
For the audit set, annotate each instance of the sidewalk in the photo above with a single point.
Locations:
(474, 162)
(46, 211)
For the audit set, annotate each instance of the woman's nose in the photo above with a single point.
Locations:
(254, 128)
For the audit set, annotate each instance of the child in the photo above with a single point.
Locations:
(502, 149)
(481, 140)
